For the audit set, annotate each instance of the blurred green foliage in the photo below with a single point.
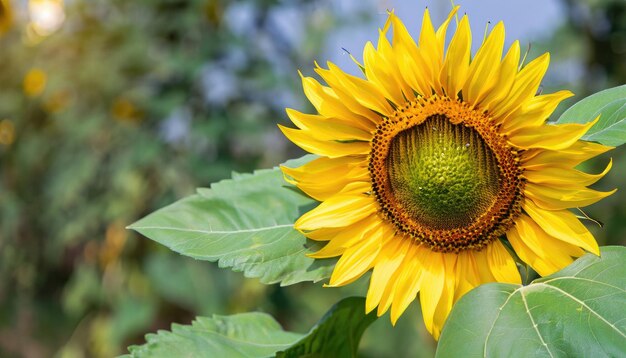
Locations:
(129, 106)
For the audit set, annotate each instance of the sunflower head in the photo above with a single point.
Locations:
(444, 176)
(437, 165)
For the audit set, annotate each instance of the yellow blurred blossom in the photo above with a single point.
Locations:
(124, 110)
(113, 245)
(35, 82)
(6, 16)
(7, 132)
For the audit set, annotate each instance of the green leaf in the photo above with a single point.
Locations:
(611, 105)
(337, 334)
(259, 335)
(579, 311)
(242, 335)
(245, 223)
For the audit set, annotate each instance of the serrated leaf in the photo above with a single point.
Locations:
(611, 105)
(242, 335)
(579, 311)
(337, 334)
(245, 223)
(256, 334)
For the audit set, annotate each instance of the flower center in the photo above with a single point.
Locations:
(444, 176)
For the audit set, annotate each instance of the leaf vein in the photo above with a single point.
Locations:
(212, 232)
(532, 320)
(496, 319)
(575, 299)
(583, 279)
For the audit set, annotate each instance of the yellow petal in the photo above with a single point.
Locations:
(323, 166)
(323, 190)
(484, 69)
(558, 198)
(345, 237)
(335, 248)
(324, 177)
(542, 252)
(409, 59)
(562, 225)
(386, 52)
(332, 149)
(535, 112)
(408, 262)
(356, 260)
(359, 95)
(430, 53)
(328, 233)
(429, 50)
(357, 187)
(569, 157)
(407, 284)
(441, 31)
(433, 282)
(441, 40)
(323, 128)
(327, 104)
(379, 72)
(525, 86)
(444, 306)
(389, 259)
(456, 64)
(481, 262)
(553, 137)
(506, 78)
(565, 177)
(364, 92)
(338, 211)
(466, 273)
(501, 264)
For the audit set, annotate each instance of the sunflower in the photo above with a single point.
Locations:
(438, 168)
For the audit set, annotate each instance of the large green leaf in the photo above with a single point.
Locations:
(242, 335)
(257, 334)
(579, 311)
(337, 334)
(245, 223)
(611, 105)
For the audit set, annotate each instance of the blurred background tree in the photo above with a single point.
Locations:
(112, 109)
